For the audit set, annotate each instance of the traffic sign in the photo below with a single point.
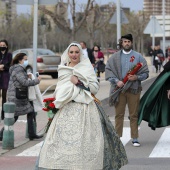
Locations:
(153, 27)
(123, 18)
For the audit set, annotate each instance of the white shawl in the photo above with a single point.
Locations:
(66, 91)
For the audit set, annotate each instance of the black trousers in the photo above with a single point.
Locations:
(4, 91)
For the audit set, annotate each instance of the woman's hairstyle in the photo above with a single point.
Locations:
(65, 58)
(6, 42)
(18, 58)
(97, 47)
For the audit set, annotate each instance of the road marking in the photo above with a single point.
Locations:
(22, 121)
(126, 136)
(162, 148)
(32, 151)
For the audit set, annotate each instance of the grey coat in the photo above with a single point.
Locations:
(19, 79)
(113, 68)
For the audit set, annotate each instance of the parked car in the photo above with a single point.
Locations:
(47, 61)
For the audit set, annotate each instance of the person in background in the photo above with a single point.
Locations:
(87, 52)
(118, 67)
(161, 57)
(5, 62)
(19, 80)
(99, 61)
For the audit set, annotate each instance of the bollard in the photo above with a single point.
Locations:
(8, 134)
(35, 127)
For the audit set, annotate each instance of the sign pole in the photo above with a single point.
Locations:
(35, 32)
(153, 32)
(118, 21)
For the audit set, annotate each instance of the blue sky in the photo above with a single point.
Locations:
(134, 5)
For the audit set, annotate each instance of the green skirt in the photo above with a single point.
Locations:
(154, 105)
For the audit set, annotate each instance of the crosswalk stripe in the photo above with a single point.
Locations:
(35, 150)
(32, 151)
(126, 136)
(162, 148)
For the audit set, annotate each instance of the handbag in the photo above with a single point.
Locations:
(22, 93)
(101, 66)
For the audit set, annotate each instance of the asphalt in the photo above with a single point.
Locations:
(20, 125)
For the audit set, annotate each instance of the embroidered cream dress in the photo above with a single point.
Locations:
(80, 137)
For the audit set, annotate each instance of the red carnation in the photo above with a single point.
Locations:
(49, 99)
(51, 105)
(132, 59)
(45, 109)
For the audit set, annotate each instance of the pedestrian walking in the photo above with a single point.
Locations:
(122, 71)
(18, 92)
(99, 61)
(5, 62)
(155, 104)
(81, 136)
(87, 52)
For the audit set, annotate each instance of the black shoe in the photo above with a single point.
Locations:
(35, 137)
(1, 138)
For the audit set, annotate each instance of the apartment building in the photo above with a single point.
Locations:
(154, 7)
(8, 11)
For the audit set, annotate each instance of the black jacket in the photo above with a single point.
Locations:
(91, 56)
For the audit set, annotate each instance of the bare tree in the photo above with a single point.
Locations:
(137, 22)
(62, 22)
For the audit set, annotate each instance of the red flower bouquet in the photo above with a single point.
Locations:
(132, 71)
(51, 111)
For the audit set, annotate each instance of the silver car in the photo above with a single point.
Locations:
(47, 61)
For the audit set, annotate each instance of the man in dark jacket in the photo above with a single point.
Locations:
(87, 52)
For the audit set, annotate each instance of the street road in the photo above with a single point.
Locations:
(154, 153)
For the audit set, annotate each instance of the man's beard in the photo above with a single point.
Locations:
(127, 48)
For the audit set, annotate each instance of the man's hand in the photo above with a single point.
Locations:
(120, 84)
(168, 94)
(74, 79)
(132, 77)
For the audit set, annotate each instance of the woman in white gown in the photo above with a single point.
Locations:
(81, 136)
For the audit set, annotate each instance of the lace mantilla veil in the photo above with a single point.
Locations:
(65, 58)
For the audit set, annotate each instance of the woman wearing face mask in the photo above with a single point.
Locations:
(19, 80)
(5, 62)
(99, 61)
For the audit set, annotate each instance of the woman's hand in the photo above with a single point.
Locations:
(39, 78)
(30, 76)
(168, 94)
(1, 67)
(74, 79)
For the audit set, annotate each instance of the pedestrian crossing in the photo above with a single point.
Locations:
(161, 149)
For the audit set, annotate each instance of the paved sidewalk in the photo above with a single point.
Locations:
(20, 125)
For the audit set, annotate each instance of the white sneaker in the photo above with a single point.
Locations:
(136, 143)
